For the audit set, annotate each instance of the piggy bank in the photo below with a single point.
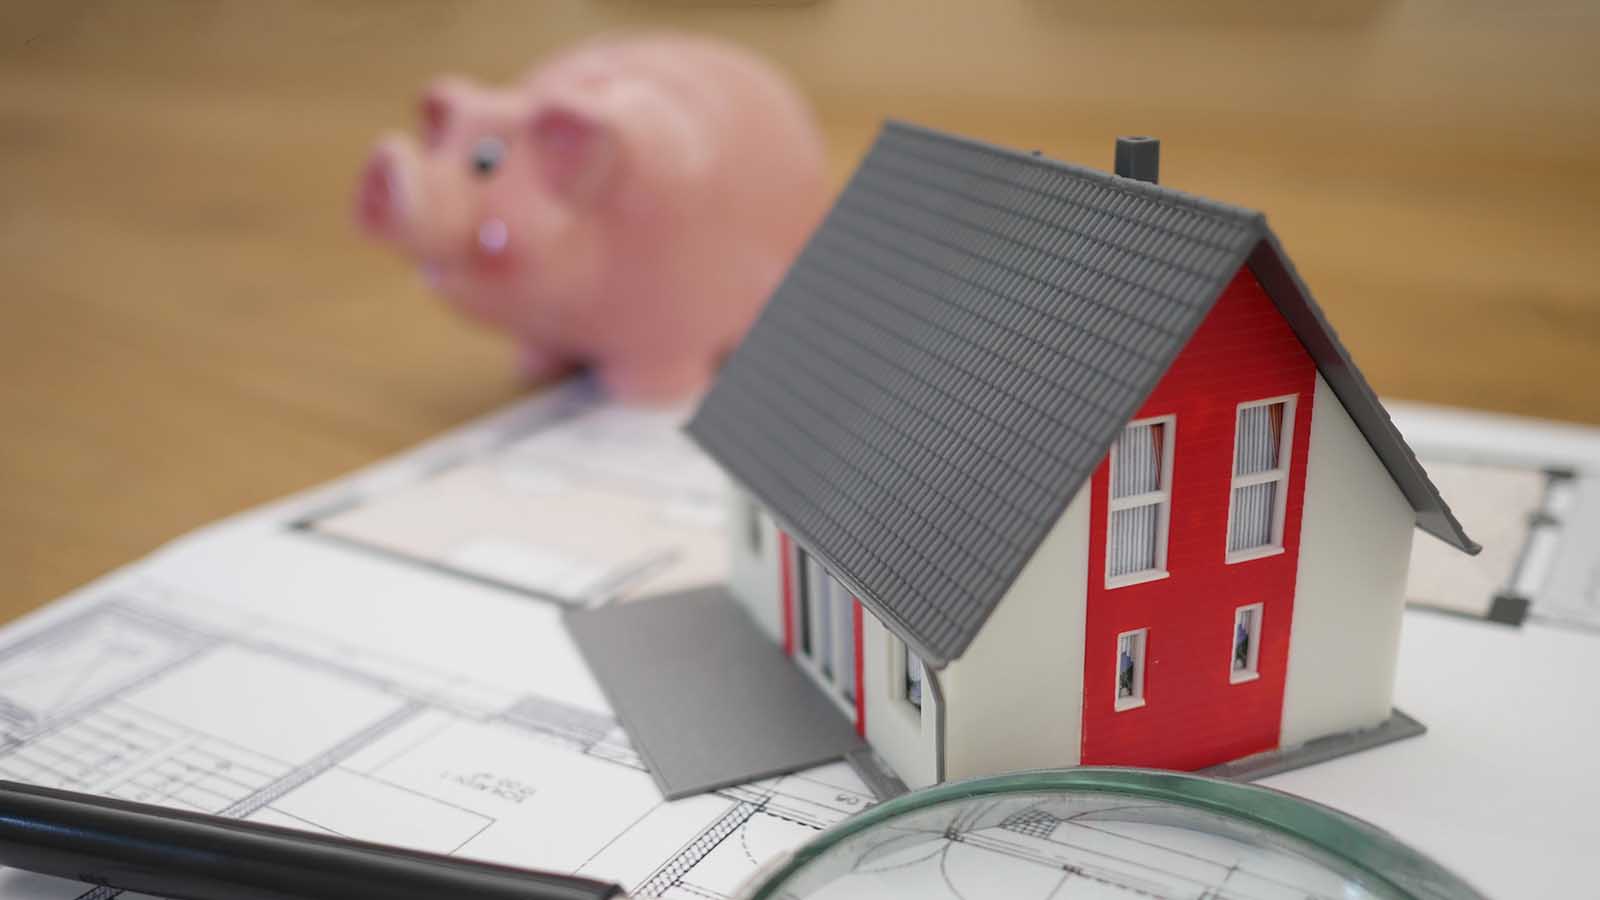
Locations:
(628, 206)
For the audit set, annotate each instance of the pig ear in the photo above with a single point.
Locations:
(439, 108)
(577, 153)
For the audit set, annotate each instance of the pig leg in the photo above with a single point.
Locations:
(536, 363)
(655, 381)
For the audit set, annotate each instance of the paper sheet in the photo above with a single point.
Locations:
(1529, 492)
(1494, 503)
(373, 658)
(262, 671)
(592, 504)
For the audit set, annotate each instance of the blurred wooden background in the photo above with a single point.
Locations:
(190, 325)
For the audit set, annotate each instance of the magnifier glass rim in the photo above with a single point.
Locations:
(1392, 866)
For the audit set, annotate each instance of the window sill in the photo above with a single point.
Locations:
(1126, 703)
(1252, 553)
(1133, 578)
(1242, 677)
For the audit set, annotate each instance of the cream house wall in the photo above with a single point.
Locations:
(754, 570)
(1355, 547)
(905, 736)
(1014, 700)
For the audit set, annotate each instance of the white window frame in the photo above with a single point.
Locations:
(1141, 647)
(904, 662)
(1163, 497)
(1252, 669)
(901, 662)
(1280, 475)
(840, 683)
(912, 671)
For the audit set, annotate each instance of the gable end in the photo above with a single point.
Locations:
(1293, 299)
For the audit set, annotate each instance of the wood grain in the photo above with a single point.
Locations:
(191, 326)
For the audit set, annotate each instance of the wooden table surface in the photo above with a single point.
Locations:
(191, 325)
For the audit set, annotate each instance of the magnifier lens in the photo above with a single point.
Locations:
(1107, 833)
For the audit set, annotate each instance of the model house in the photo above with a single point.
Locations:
(1039, 465)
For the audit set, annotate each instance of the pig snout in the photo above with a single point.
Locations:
(385, 197)
(391, 203)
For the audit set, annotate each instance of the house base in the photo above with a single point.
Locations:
(876, 774)
(709, 701)
(884, 784)
(1397, 727)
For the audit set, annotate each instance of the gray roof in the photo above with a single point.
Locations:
(954, 352)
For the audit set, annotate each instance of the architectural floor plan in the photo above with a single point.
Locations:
(308, 711)
(589, 504)
(1530, 493)
(1044, 847)
(383, 657)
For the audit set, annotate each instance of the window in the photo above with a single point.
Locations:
(803, 605)
(1246, 643)
(1260, 478)
(752, 526)
(826, 624)
(1141, 478)
(820, 602)
(1130, 669)
(913, 682)
(906, 673)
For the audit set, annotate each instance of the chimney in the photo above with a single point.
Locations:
(1139, 157)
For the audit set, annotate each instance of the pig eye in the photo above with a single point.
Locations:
(486, 155)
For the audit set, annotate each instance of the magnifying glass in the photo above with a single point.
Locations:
(1050, 834)
(1104, 832)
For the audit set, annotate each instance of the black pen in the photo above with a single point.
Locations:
(191, 856)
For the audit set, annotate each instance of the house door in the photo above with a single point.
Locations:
(827, 630)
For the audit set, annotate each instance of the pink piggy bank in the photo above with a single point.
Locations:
(628, 206)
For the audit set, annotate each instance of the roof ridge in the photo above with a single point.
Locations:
(1161, 193)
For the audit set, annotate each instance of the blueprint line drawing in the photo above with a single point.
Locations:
(1045, 847)
(1504, 505)
(337, 661)
(157, 695)
(585, 504)
(45, 678)
(1532, 489)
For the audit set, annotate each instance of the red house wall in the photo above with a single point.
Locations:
(1193, 716)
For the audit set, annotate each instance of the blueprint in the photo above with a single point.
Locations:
(1051, 847)
(260, 670)
(383, 656)
(441, 716)
(584, 504)
(1499, 505)
(1529, 491)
